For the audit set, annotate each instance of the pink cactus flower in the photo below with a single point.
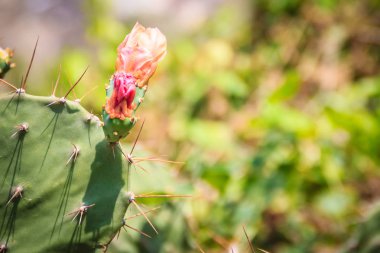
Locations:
(137, 59)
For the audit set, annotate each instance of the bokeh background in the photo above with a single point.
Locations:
(273, 105)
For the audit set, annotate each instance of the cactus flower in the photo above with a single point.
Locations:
(137, 59)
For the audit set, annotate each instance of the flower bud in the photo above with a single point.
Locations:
(137, 59)
(120, 104)
(140, 52)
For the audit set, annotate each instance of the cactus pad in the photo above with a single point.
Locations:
(61, 182)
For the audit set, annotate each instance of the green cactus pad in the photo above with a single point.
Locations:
(38, 153)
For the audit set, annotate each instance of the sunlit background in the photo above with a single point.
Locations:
(273, 105)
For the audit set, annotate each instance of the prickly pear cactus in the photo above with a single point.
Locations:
(61, 182)
(63, 172)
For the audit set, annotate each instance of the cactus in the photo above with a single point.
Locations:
(64, 183)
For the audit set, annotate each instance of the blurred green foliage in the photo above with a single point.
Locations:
(274, 106)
